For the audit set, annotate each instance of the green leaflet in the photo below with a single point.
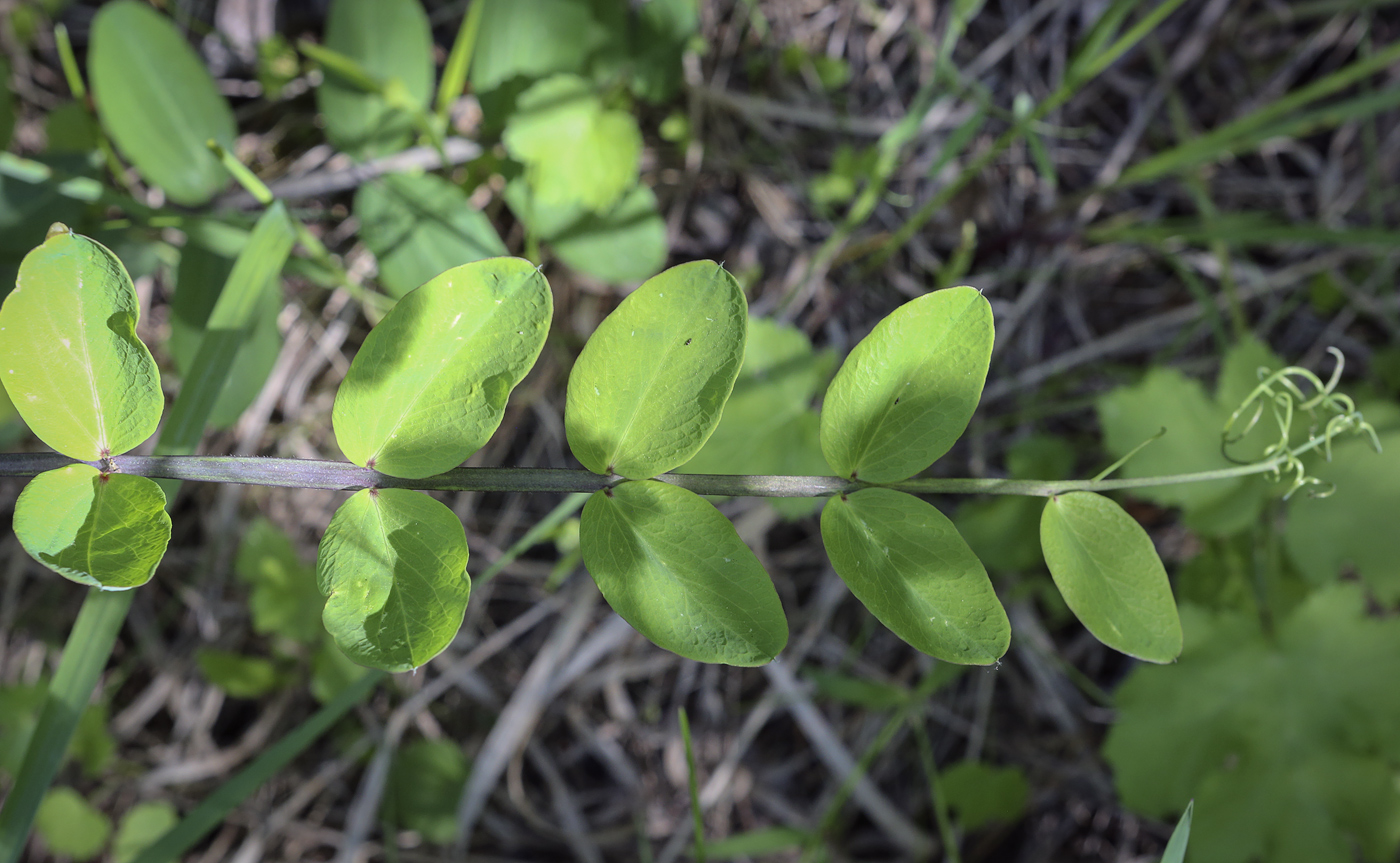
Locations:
(140, 827)
(390, 40)
(71, 826)
(392, 567)
(157, 101)
(419, 226)
(1109, 573)
(575, 151)
(1287, 739)
(69, 355)
(624, 244)
(648, 388)
(672, 566)
(907, 391)
(102, 530)
(904, 560)
(430, 382)
(532, 38)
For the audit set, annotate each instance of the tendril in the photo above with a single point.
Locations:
(1282, 392)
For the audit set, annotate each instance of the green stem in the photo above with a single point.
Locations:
(343, 476)
(84, 657)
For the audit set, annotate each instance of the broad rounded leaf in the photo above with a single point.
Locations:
(575, 151)
(649, 386)
(393, 569)
(625, 244)
(672, 566)
(532, 38)
(71, 826)
(907, 391)
(419, 226)
(157, 101)
(392, 41)
(69, 355)
(1109, 573)
(140, 827)
(430, 382)
(103, 530)
(904, 560)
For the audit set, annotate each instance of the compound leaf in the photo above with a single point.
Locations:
(575, 151)
(69, 355)
(158, 101)
(1109, 573)
(392, 42)
(392, 567)
(672, 566)
(429, 385)
(907, 391)
(105, 530)
(905, 561)
(419, 226)
(1287, 739)
(648, 388)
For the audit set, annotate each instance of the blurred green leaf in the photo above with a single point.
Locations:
(101, 530)
(392, 567)
(157, 101)
(92, 744)
(1109, 573)
(1355, 528)
(200, 279)
(140, 827)
(672, 566)
(239, 676)
(7, 106)
(905, 394)
(71, 826)
(1288, 740)
(425, 783)
(532, 38)
(1004, 530)
(904, 560)
(429, 385)
(575, 151)
(648, 388)
(332, 672)
(625, 244)
(70, 128)
(981, 793)
(391, 41)
(646, 44)
(757, 843)
(857, 691)
(284, 597)
(88, 392)
(419, 226)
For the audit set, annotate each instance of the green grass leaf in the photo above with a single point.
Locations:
(648, 388)
(575, 151)
(429, 385)
(69, 355)
(419, 226)
(391, 41)
(905, 561)
(1287, 740)
(1109, 573)
(102, 530)
(672, 566)
(157, 101)
(1181, 836)
(200, 280)
(905, 394)
(392, 567)
(71, 826)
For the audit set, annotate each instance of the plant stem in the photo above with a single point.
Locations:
(89, 645)
(343, 476)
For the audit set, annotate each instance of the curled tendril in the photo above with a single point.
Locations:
(1281, 392)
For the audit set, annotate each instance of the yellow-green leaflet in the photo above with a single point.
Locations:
(69, 355)
(102, 530)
